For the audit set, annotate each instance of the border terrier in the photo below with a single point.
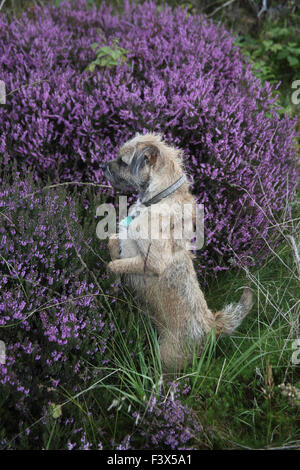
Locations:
(160, 269)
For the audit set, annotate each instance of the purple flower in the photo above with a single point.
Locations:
(51, 325)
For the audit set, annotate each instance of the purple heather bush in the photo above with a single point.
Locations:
(51, 319)
(182, 76)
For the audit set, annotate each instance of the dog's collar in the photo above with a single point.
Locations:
(166, 192)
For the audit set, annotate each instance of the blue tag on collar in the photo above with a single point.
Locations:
(127, 221)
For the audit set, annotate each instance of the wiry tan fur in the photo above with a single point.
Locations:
(161, 271)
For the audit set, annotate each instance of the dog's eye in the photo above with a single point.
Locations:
(122, 163)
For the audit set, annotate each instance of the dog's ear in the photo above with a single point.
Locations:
(143, 156)
(152, 153)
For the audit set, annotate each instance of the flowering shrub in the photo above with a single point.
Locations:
(171, 425)
(182, 76)
(51, 319)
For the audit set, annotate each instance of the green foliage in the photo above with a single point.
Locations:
(107, 56)
(275, 54)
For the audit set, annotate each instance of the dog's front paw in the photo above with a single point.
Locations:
(114, 247)
(113, 266)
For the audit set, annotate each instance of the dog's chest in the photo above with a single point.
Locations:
(128, 246)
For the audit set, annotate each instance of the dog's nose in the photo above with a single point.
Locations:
(103, 166)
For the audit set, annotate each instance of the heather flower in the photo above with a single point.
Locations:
(125, 444)
(46, 325)
(71, 445)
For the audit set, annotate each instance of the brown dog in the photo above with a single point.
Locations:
(159, 268)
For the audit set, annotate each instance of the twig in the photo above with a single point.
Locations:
(65, 184)
(220, 8)
(28, 84)
(296, 252)
(263, 8)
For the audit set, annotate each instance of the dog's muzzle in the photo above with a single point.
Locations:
(115, 179)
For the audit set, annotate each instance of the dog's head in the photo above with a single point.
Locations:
(143, 162)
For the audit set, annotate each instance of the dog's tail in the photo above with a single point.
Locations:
(233, 314)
